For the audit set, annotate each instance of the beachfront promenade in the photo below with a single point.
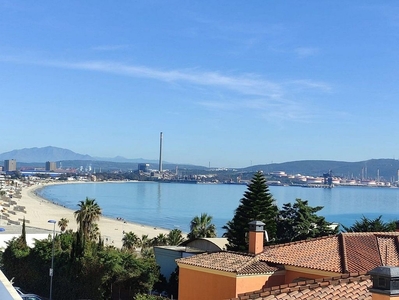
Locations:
(37, 211)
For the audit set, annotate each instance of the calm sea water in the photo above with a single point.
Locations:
(173, 205)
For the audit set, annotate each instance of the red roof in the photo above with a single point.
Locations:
(342, 253)
(345, 287)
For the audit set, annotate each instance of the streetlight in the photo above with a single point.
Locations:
(52, 260)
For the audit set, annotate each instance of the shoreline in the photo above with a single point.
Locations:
(39, 210)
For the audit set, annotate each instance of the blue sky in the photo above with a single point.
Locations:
(229, 83)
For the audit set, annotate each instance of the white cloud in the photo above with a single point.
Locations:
(267, 97)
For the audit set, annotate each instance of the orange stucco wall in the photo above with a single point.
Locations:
(375, 296)
(195, 284)
(250, 283)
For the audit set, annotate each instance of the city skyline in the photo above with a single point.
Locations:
(230, 84)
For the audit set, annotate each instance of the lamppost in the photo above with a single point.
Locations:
(52, 261)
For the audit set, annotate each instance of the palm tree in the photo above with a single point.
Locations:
(175, 237)
(63, 224)
(160, 240)
(94, 232)
(89, 211)
(145, 241)
(131, 241)
(202, 227)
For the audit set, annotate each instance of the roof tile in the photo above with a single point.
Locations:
(355, 287)
(239, 263)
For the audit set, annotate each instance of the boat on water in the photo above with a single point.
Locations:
(318, 185)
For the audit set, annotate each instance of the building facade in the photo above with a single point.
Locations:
(10, 165)
(51, 166)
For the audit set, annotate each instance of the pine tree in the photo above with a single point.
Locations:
(300, 222)
(256, 205)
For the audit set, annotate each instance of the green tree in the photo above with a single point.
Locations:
(146, 246)
(300, 222)
(175, 237)
(371, 225)
(15, 258)
(256, 205)
(82, 268)
(145, 241)
(131, 241)
(160, 240)
(89, 211)
(23, 235)
(202, 227)
(63, 224)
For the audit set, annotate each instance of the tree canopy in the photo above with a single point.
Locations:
(88, 213)
(256, 205)
(371, 225)
(202, 227)
(299, 221)
(83, 268)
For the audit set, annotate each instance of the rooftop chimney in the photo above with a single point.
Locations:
(256, 236)
(385, 283)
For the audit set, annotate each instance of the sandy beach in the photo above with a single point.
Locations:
(37, 211)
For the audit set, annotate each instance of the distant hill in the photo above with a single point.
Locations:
(384, 168)
(50, 153)
(43, 154)
(36, 157)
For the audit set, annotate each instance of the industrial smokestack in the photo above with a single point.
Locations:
(160, 153)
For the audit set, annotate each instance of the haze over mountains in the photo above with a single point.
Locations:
(50, 153)
(387, 169)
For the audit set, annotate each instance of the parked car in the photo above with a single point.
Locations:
(28, 296)
(19, 290)
(31, 297)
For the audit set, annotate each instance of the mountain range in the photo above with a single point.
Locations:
(50, 153)
(387, 169)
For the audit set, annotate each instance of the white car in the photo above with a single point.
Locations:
(27, 296)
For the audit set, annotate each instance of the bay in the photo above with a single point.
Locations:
(173, 205)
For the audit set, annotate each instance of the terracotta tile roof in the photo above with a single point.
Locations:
(362, 252)
(345, 287)
(342, 253)
(322, 254)
(239, 263)
(389, 250)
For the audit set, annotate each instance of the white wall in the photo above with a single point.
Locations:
(30, 239)
(7, 291)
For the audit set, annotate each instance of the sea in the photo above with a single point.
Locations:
(174, 205)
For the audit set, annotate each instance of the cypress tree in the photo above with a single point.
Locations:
(256, 205)
(23, 235)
